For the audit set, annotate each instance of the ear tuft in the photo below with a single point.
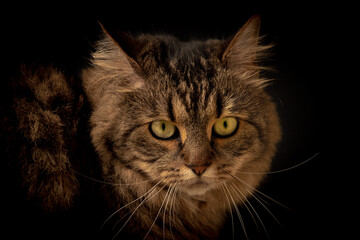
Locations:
(112, 69)
(244, 52)
(244, 40)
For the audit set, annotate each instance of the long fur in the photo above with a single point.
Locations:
(191, 84)
(46, 119)
(150, 187)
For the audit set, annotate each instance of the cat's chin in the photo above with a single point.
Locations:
(197, 188)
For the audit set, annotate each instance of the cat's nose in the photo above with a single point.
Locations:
(198, 170)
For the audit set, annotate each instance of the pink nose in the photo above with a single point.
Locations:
(198, 170)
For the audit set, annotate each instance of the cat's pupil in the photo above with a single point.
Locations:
(225, 124)
(163, 126)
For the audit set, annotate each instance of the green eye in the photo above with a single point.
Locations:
(225, 127)
(163, 129)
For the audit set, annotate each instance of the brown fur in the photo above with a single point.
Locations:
(134, 81)
(45, 106)
(151, 185)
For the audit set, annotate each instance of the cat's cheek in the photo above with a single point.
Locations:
(148, 168)
(144, 166)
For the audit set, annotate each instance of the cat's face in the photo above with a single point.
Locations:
(191, 135)
(190, 114)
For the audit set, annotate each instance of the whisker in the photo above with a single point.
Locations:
(157, 215)
(111, 183)
(246, 185)
(142, 202)
(261, 198)
(267, 209)
(257, 191)
(237, 212)
(148, 197)
(171, 188)
(232, 218)
(251, 206)
(172, 210)
(237, 191)
(128, 204)
(285, 169)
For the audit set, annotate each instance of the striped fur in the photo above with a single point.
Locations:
(134, 81)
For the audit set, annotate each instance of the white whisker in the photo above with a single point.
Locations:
(282, 170)
(157, 215)
(232, 218)
(171, 188)
(261, 198)
(172, 210)
(148, 197)
(112, 183)
(237, 191)
(237, 212)
(257, 191)
(253, 195)
(128, 204)
(251, 206)
(267, 209)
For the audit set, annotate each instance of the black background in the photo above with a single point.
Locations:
(306, 38)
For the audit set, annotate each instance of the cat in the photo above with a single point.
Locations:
(177, 126)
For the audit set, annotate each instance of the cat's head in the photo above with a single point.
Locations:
(194, 113)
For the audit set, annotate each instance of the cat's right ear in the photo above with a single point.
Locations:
(113, 68)
(244, 52)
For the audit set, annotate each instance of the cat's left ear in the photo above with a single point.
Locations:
(113, 68)
(243, 52)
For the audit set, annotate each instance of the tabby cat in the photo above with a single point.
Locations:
(178, 128)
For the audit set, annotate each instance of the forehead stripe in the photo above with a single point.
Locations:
(170, 109)
(219, 105)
